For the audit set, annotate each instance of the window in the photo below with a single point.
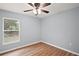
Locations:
(11, 31)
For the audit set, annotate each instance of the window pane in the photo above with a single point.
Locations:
(10, 24)
(11, 36)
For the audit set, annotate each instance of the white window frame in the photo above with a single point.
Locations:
(10, 30)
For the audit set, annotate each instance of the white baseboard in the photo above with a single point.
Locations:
(61, 48)
(18, 47)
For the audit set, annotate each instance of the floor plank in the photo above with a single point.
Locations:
(39, 49)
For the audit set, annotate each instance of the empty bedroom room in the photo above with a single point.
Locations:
(39, 29)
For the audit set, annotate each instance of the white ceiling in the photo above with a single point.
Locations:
(54, 8)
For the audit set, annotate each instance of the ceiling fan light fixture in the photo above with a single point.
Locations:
(39, 11)
(36, 11)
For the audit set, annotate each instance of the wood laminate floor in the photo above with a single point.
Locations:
(39, 49)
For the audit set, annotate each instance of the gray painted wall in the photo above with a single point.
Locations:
(62, 29)
(30, 29)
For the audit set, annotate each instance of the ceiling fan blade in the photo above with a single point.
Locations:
(37, 5)
(45, 11)
(28, 10)
(46, 4)
(31, 4)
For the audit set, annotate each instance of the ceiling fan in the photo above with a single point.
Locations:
(37, 8)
